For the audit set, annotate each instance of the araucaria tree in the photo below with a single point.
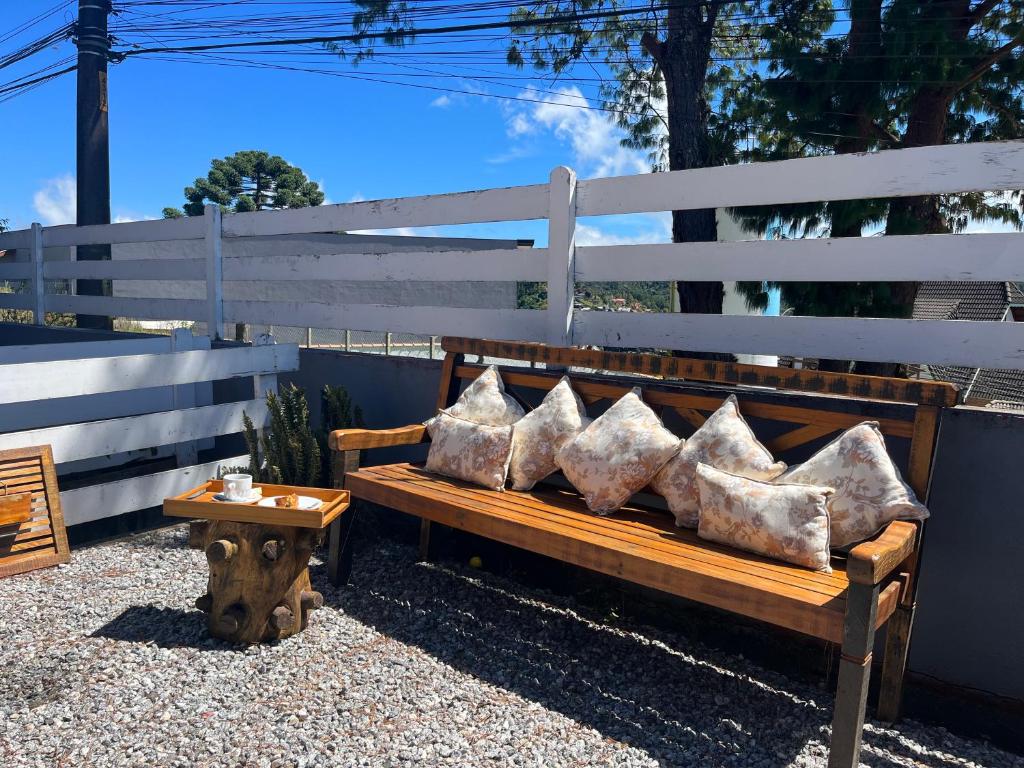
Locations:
(250, 180)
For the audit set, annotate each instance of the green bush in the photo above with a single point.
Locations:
(290, 452)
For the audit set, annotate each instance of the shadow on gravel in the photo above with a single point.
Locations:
(680, 709)
(164, 627)
(675, 703)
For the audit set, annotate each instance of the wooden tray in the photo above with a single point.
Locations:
(203, 506)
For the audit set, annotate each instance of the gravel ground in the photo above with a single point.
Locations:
(104, 662)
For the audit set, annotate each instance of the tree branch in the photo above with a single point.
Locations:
(979, 11)
(883, 134)
(654, 47)
(986, 63)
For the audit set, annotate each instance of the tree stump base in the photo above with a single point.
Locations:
(259, 588)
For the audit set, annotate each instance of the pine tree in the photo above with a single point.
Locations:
(250, 180)
(905, 74)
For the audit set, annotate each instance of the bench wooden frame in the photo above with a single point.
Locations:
(875, 587)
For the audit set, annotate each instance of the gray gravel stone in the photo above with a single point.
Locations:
(106, 663)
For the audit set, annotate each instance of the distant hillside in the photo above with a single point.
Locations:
(651, 296)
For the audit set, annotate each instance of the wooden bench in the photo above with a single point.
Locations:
(873, 587)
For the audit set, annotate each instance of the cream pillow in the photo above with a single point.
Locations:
(538, 436)
(485, 402)
(477, 453)
(725, 441)
(869, 490)
(786, 522)
(617, 454)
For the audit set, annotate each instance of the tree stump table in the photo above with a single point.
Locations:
(259, 586)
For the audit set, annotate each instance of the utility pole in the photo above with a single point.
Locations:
(93, 143)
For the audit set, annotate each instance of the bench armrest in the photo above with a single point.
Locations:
(359, 439)
(873, 560)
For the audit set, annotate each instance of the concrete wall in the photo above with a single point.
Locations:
(970, 617)
(970, 626)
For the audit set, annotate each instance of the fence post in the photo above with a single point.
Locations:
(561, 255)
(348, 340)
(309, 338)
(387, 343)
(433, 346)
(184, 396)
(38, 283)
(214, 273)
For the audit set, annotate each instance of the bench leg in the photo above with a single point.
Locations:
(897, 645)
(424, 540)
(339, 533)
(339, 552)
(854, 673)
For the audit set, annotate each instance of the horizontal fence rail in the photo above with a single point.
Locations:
(34, 381)
(946, 342)
(506, 204)
(562, 265)
(897, 258)
(989, 167)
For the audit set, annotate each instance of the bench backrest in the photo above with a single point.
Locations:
(687, 391)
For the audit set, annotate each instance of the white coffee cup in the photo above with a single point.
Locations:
(237, 487)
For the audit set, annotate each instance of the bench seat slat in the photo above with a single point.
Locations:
(650, 529)
(637, 545)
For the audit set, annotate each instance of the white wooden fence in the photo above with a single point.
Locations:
(117, 400)
(991, 167)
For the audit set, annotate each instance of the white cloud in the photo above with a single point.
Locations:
(654, 228)
(55, 202)
(442, 101)
(595, 140)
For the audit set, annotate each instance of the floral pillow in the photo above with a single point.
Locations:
(617, 454)
(725, 441)
(461, 449)
(869, 490)
(485, 402)
(782, 521)
(539, 435)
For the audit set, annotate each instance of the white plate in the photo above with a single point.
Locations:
(305, 502)
(254, 496)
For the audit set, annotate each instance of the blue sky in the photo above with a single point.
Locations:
(359, 140)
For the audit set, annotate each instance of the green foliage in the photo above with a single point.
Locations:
(290, 452)
(337, 411)
(249, 180)
(912, 74)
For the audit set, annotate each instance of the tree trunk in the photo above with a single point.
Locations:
(684, 57)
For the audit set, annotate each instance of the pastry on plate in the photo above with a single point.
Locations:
(291, 501)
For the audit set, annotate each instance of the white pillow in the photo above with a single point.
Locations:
(617, 454)
(725, 441)
(786, 522)
(461, 449)
(869, 490)
(539, 435)
(485, 402)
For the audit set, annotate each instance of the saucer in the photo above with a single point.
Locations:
(256, 495)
